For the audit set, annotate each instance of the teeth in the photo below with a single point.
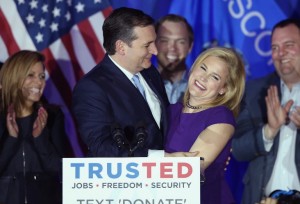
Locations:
(35, 90)
(285, 60)
(172, 58)
(200, 85)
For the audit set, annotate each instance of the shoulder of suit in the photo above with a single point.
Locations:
(268, 79)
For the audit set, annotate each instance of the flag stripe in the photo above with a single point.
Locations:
(7, 36)
(4, 53)
(81, 49)
(18, 30)
(63, 59)
(57, 77)
(67, 41)
(90, 40)
(107, 11)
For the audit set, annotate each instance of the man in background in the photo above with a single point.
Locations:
(174, 42)
(268, 127)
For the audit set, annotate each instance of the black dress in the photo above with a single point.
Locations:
(30, 168)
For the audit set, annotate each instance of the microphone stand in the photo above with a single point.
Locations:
(119, 137)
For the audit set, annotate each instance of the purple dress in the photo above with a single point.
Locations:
(184, 129)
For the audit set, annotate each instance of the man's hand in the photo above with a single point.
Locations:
(277, 114)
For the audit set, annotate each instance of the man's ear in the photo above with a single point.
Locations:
(120, 47)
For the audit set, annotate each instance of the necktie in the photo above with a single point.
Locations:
(139, 86)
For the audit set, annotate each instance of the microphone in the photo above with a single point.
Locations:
(140, 134)
(118, 135)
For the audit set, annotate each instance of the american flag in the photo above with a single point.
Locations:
(67, 32)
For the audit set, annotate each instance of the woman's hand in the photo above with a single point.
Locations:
(11, 123)
(40, 122)
(181, 154)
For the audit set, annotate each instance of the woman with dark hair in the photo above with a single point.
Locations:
(31, 134)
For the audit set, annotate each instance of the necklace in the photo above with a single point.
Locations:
(192, 107)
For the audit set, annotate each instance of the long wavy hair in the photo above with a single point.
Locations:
(12, 76)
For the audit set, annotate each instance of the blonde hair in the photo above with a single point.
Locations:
(12, 76)
(235, 82)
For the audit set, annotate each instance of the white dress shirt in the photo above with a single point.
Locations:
(151, 97)
(284, 175)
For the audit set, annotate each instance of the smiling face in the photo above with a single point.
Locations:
(34, 84)
(138, 55)
(173, 45)
(286, 53)
(207, 80)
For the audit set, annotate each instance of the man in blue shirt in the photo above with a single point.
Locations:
(174, 42)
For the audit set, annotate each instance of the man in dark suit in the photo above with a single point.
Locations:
(268, 134)
(116, 115)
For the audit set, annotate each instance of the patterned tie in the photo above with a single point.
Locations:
(139, 86)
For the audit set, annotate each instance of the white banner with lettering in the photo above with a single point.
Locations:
(131, 180)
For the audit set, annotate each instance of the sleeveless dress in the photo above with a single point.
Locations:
(184, 129)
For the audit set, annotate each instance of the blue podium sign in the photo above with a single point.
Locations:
(138, 180)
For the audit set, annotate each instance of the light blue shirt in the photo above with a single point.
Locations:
(175, 91)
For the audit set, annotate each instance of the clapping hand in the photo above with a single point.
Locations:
(11, 123)
(295, 116)
(277, 114)
(40, 122)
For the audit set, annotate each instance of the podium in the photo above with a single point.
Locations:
(131, 180)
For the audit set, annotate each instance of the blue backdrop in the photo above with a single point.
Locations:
(243, 24)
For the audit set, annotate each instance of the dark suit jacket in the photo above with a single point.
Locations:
(105, 96)
(248, 145)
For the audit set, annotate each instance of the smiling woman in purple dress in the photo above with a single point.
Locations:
(205, 122)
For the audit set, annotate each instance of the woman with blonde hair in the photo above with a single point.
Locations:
(31, 134)
(205, 122)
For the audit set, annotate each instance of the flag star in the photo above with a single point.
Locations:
(58, 1)
(54, 27)
(56, 12)
(68, 16)
(79, 7)
(21, 2)
(69, 2)
(45, 8)
(33, 4)
(42, 23)
(39, 37)
(97, 1)
(30, 18)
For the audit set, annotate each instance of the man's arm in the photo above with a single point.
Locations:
(94, 117)
(247, 141)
